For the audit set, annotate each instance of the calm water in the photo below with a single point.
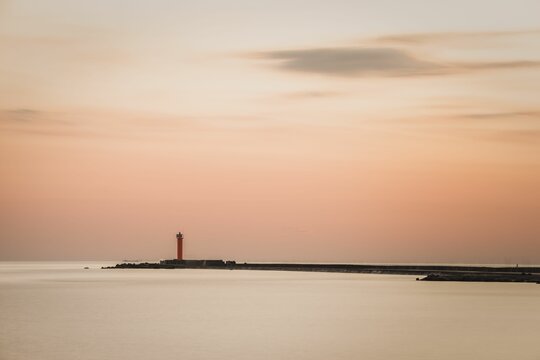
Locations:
(60, 311)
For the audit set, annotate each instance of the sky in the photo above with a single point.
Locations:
(331, 131)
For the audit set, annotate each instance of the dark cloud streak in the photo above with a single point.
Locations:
(353, 61)
(382, 62)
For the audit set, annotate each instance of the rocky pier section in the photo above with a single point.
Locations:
(523, 277)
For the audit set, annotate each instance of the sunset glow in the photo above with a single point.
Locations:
(343, 131)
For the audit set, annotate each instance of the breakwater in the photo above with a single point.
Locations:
(430, 272)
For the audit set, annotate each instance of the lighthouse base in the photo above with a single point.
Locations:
(195, 263)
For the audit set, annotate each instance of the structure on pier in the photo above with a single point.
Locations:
(179, 246)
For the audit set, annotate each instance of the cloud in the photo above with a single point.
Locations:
(353, 61)
(500, 115)
(18, 115)
(505, 126)
(510, 136)
(313, 94)
(386, 62)
(25, 116)
(38, 122)
(398, 55)
(495, 65)
(54, 132)
(516, 119)
(126, 125)
(518, 136)
(443, 37)
(519, 126)
(76, 45)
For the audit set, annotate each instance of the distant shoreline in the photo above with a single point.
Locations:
(430, 272)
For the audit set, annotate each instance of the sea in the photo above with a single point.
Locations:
(62, 311)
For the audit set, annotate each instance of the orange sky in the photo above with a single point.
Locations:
(364, 132)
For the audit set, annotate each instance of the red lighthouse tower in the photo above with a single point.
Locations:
(179, 246)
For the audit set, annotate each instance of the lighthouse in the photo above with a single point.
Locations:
(179, 246)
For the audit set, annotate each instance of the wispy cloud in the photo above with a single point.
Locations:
(443, 37)
(113, 124)
(77, 44)
(504, 126)
(501, 115)
(18, 115)
(517, 119)
(37, 122)
(525, 136)
(313, 94)
(58, 133)
(510, 136)
(25, 116)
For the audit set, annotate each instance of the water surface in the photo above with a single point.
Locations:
(61, 311)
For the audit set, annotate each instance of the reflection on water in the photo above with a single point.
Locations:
(62, 311)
